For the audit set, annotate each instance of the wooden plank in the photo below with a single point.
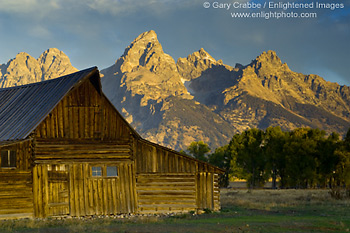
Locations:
(152, 187)
(99, 196)
(15, 216)
(154, 158)
(86, 188)
(126, 188)
(60, 120)
(167, 201)
(36, 191)
(84, 156)
(70, 116)
(114, 196)
(166, 192)
(209, 192)
(45, 190)
(40, 212)
(199, 191)
(122, 188)
(95, 190)
(130, 187)
(91, 195)
(76, 120)
(72, 204)
(104, 196)
(176, 164)
(166, 181)
(81, 189)
(110, 196)
(134, 186)
(56, 123)
(81, 121)
(76, 190)
(167, 198)
(72, 151)
(118, 195)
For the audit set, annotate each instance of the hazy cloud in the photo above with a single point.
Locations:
(40, 32)
(39, 7)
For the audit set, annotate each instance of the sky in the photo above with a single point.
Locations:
(96, 32)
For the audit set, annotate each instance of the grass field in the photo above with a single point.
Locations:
(242, 211)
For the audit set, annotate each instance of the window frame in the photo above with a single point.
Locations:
(11, 159)
(104, 173)
(95, 173)
(116, 170)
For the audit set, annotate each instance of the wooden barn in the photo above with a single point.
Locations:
(66, 151)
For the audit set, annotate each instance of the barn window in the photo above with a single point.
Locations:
(96, 171)
(8, 158)
(112, 171)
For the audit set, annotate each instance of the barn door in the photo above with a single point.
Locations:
(205, 190)
(58, 189)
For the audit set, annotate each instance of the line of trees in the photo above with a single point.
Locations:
(302, 158)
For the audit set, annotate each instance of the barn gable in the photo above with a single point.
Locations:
(74, 154)
(23, 108)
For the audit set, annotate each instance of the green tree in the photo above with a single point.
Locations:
(347, 140)
(199, 150)
(327, 159)
(274, 141)
(342, 172)
(221, 159)
(251, 158)
(235, 146)
(300, 150)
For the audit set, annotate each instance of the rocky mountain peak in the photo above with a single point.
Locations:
(21, 56)
(267, 59)
(24, 69)
(270, 57)
(148, 36)
(269, 64)
(146, 51)
(144, 70)
(55, 63)
(192, 67)
(204, 55)
(52, 54)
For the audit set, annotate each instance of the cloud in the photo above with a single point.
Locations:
(20, 6)
(40, 32)
(28, 6)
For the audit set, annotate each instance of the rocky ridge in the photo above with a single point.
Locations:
(145, 85)
(25, 69)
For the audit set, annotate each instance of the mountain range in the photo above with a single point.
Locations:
(199, 98)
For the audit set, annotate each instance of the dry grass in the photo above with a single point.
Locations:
(268, 198)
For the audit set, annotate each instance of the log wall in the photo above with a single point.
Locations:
(164, 193)
(154, 159)
(49, 149)
(208, 191)
(84, 114)
(170, 182)
(80, 194)
(16, 199)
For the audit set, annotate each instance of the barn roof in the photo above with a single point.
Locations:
(23, 108)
